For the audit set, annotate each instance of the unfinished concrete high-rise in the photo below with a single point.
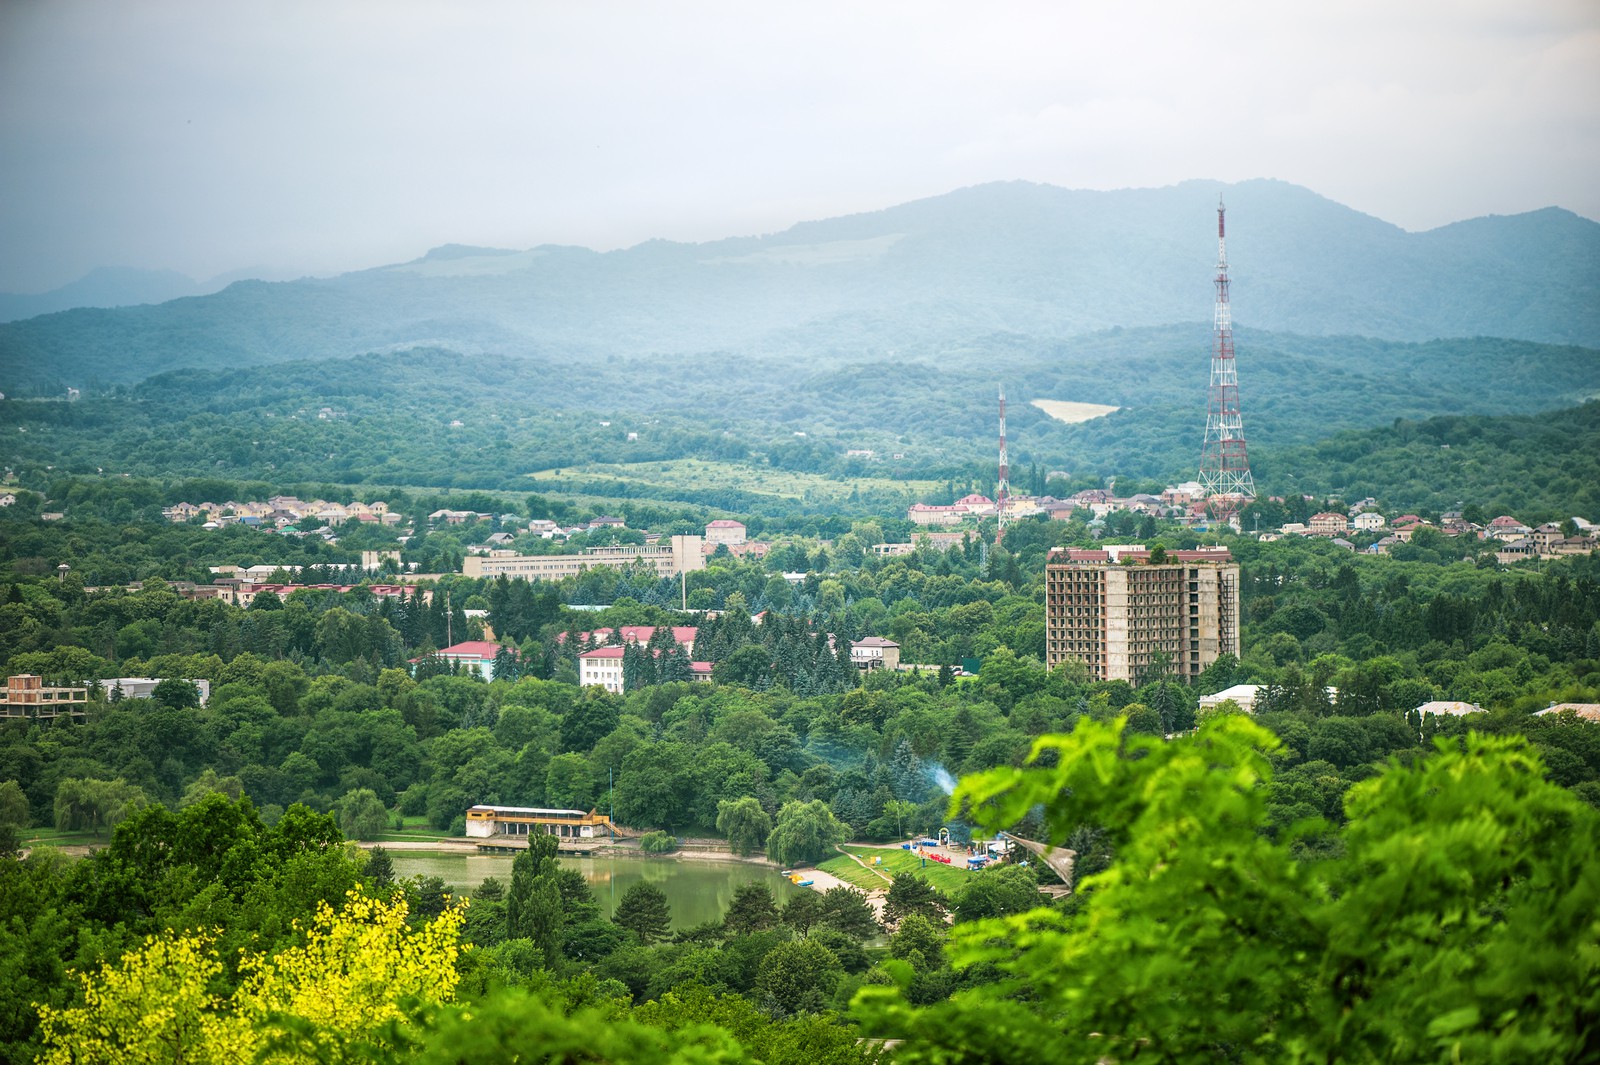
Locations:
(1126, 617)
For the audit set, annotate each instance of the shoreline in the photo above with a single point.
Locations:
(698, 851)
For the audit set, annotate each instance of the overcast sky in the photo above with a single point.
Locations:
(322, 136)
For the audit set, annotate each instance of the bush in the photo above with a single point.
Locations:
(414, 800)
(658, 842)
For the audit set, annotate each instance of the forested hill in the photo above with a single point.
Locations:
(1013, 259)
(433, 418)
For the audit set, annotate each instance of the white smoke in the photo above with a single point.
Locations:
(940, 778)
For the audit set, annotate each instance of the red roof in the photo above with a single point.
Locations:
(637, 634)
(726, 523)
(606, 654)
(470, 649)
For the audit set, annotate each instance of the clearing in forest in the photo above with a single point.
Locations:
(1066, 410)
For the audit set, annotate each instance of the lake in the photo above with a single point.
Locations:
(697, 891)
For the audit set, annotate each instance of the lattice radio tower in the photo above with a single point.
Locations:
(1002, 490)
(1224, 465)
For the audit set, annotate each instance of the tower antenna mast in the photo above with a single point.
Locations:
(1224, 464)
(1003, 486)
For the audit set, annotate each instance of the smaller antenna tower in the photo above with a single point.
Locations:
(1002, 490)
(1224, 466)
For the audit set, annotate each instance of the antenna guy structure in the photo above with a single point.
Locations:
(1224, 464)
(1002, 492)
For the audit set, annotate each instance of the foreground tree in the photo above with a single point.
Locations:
(533, 902)
(331, 999)
(1455, 921)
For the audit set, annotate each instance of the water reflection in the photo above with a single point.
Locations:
(697, 891)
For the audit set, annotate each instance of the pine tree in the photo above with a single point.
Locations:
(643, 910)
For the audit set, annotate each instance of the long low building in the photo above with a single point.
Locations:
(682, 555)
(486, 821)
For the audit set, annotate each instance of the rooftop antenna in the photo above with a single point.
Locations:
(1224, 465)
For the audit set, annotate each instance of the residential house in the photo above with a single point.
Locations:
(471, 655)
(1328, 523)
(1244, 696)
(1506, 528)
(874, 652)
(602, 667)
(725, 531)
(1583, 711)
(1448, 708)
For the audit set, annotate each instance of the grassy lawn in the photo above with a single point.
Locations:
(851, 873)
(416, 830)
(701, 475)
(55, 837)
(949, 879)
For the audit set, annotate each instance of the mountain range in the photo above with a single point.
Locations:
(932, 279)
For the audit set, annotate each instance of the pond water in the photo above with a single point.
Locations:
(697, 891)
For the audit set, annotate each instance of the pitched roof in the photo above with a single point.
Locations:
(471, 648)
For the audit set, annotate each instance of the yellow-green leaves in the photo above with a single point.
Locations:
(360, 968)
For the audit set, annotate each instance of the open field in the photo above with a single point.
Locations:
(701, 475)
(1065, 410)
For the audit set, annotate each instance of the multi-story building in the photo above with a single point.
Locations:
(26, 695)
(1122, 615)
(725, 531)
(874, 652)
(681, 555)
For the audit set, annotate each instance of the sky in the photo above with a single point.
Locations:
(317, 137)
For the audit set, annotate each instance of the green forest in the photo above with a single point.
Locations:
(1420, 426)
(1361, 877)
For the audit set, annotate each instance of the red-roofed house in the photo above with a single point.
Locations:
(472, 655)
(976, 504)
(603, 667)
(1328, 523)
(1507, 528)
(683, 635)
(725, 531)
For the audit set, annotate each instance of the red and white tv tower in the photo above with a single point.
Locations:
(1002, 490)
(1224, 466)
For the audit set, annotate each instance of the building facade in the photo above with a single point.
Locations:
(1124, 616)
(28, 696)
(681, 555)
(725, 531)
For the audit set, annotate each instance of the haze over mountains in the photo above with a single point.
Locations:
(922, 279)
